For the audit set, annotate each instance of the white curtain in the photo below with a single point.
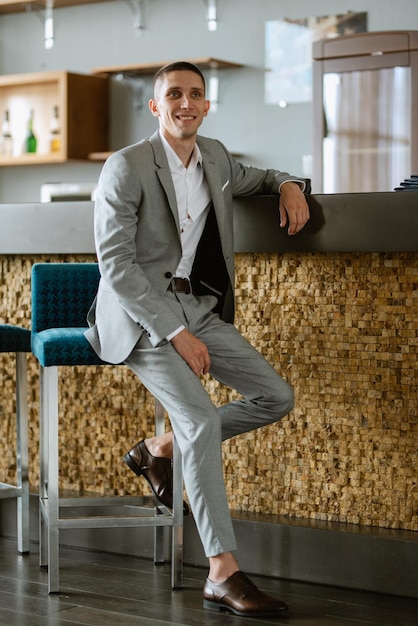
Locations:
(368, 129)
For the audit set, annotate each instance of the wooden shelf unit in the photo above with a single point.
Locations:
(146, 69)
(83, 106)
(12, 6)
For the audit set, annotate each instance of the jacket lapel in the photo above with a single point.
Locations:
(215, 182)
(164, 175)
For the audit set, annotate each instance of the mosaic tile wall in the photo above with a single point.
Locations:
(341, 328)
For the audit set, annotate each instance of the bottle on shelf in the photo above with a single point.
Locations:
(6, 141)
(30, 141)
(55, 132)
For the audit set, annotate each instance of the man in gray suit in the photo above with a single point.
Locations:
(165, 306)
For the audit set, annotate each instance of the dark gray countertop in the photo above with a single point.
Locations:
(352, 222)
(358, 222)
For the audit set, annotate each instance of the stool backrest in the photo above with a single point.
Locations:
(62, 294)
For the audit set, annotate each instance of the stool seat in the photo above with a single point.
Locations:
(15, 339)
(64, 346)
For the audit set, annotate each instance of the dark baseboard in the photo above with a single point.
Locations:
(345, 555)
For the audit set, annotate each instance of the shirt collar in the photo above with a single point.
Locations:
(174, 162)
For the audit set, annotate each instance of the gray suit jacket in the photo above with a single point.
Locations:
(138, 241)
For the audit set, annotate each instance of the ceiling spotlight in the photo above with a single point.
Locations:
(212, 14)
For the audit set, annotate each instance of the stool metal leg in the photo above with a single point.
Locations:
(159, 418)
(177, 530)
(22, 453)
(43, 477)
(49, 495)
(159, 530)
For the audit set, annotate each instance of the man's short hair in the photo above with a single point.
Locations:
(178, 66)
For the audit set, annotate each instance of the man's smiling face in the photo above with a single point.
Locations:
(179, 103)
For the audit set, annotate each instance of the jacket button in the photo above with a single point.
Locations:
(168, 275)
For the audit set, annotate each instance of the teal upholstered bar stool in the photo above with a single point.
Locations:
(17, 339)
(61, 297)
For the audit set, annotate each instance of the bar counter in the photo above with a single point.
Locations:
(334, 309)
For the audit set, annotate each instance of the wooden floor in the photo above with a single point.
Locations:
(109, 590)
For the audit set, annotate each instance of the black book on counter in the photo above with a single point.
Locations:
(409, 184)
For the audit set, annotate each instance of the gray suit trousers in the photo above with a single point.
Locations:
(200, 426)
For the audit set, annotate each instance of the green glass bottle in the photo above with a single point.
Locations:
(31, 141)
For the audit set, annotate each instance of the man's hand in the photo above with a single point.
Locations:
(293, 207)
(193, 351)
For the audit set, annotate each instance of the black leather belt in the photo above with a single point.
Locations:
(181, 285)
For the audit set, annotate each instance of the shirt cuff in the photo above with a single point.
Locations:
(175, 332)
(301, 184)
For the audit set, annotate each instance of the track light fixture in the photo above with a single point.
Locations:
(212, 14)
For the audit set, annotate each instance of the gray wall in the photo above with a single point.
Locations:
(102, 34)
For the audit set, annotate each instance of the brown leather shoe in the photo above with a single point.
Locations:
(157, 471)
(241, 596)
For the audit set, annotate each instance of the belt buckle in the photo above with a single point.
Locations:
(185, 283)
